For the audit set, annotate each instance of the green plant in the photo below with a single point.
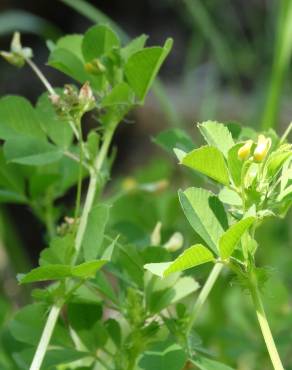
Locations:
(255, 178)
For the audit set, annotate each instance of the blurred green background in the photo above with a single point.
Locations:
(230, 62)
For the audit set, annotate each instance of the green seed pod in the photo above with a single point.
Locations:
(244, 151)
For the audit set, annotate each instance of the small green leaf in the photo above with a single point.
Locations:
(72, 43)
(229, 196)
(135, 45)
(97, 41)
(88, 269)
(121, 94)
(205, 213)
(204, 363)
(217, 135)
(94, 233)
(209, 161)
(18, 118)
(60, 252)
(191, 257)
(174, 138)
(232, 236)
(65, 61)
(163, 355)
(143, 66)
(44, 273)
(30, 151)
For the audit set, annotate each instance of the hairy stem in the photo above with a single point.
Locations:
(204, 293)
(265, 328)
(45, 339)
(93, 182)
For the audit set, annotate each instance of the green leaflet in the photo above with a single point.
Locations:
(94, 233)
(59, 272)
(191, 257)
(174, 138)
(218, 135)
(209, 161)
(97, 41)
(205, 213)
(18, 118)
(232, 236)
(143, 66)
(30, 151)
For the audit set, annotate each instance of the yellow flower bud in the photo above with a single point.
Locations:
(244, 151)
(262, 148)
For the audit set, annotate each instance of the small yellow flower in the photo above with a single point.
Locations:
(244, 151)
(262, 148)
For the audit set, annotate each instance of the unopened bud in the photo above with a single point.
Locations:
(244, 151)
(13, 59)
(95, 67)
(262, 148)
(155, 238)
(175, 242)
(129, 184)
(16, 43)
(85, 93)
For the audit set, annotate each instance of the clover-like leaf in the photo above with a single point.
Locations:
(209, 161)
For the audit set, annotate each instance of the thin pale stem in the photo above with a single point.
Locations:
(45, 339)
(55, 310)
(265, 328)
(41, 76)
(204, 293)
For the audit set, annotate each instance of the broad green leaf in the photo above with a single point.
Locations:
(235, 164)
(121, 94)
(65, 61)
(10, 177)
(18, 118)
(174, 138)
(232, 236)
(218, 135)
(47, 272)
(209, 161)
(60, 252)
(143, 66)
(97, 41)
(94, 233)
(72, 43)
(30, 151)
(135, 45)
(205, 213)
(58, 129)
(88, 269)
(163, 355)
(191, 257)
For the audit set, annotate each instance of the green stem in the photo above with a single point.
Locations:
(45, 339)
(55, 310)
(204, 293)
(264, 325)
(79, 184)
